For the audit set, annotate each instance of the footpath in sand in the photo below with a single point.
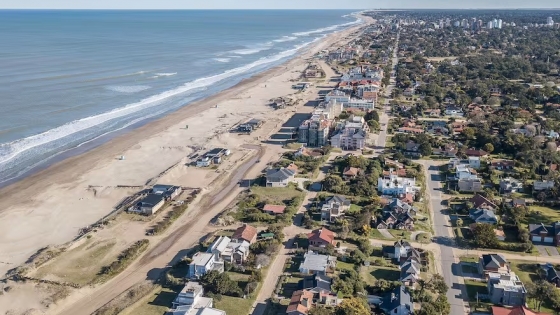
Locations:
(50, 207)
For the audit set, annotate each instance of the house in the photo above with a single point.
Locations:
(449, 150)
(274, 209)
(542, 233)
(398, 302)
(481, 202)
(399, 216)
(510, 185)
(394, 185)
(474, 162)
(224, 249)
(350, 173)
(192, 295)
(167, 191)
(300, 303)
(518, 202)
(433, 112)
(474, 152)
(492, 263)
(191, 302)
(483, 216)
(412, 149)
(454, 111)
(410, 130)
(401, 250)
(314, 263)
(245, 233)
(203, 263)
(518, 310)
(149, 204)
(470, 184)
(502, 164)
(540, 185)
(552, 275)
(203, 162)
(320, 238)
(410, 271)
(334, 207)
(396, 164)
(506, 289)
(463, 171)
(316, 283)
(279, 177)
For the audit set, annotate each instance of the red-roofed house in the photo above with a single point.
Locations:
(350, 172)
(518, 310)
(300, 303)
(245, 233)
(274, 209)
(320, 238)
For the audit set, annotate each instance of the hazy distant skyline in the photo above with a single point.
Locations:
(275, 4)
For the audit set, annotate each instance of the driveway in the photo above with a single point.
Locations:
(547, 250)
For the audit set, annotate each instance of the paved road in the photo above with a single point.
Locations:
(444, 239)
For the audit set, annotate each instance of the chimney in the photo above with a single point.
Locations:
(304, 302)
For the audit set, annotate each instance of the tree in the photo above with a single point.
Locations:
(352, 306)
(468, 132)
(372, 115)
(495, 101)
(484, 236)
(489, 147)
(333, 183)
(425, 149)
(319, 310)
(373, 125)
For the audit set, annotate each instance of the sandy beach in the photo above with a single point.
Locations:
(50, 207)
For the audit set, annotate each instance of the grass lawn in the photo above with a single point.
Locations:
(374, 233)
(475, 286)
(372, 273)
(542, 214)
(353, 209)
(157, 302)
(234, 305)
(294, 145)
(423, 238)
(276, 195)
(400, 234)
(236, 276)
(341, 265)
(469, 258)
(526, 271)
(290, 286)
(292, 264)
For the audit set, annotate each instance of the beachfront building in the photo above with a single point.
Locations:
(314, 132)
(190, 301)
(351, 134)
(338, 96)
(368, 92)
(167, 191)
(394, 185)
(203, 263)
(361, 104)
(149, 204)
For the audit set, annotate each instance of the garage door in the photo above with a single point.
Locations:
(548, 239)
(536, 238)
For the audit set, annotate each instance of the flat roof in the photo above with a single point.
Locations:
(215, 151)
(152, 199)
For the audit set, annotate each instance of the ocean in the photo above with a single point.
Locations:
(71, 77)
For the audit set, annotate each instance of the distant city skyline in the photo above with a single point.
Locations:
(269, 4)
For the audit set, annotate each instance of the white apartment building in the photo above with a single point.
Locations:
(364, 105)
(338, 96)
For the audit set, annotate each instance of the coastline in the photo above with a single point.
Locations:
(51, 205)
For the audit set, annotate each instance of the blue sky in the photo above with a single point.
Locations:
(273, 4)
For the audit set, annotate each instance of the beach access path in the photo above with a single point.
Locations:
(189, 230)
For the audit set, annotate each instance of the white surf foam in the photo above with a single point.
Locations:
(285, 39)
(327, 29)
(224, 60)
(11, 150)
(128, 88)
(169, 74)
(253, 49)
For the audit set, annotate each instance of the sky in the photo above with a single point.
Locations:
(274, 4)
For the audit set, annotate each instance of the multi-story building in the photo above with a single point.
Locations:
(338, 96)
(363, 104)
(506, 289)
(314, 133)
(351, 135)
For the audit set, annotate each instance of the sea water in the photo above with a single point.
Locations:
(70, 77)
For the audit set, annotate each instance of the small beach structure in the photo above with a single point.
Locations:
(213, 156)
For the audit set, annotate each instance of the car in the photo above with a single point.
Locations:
(258, 161)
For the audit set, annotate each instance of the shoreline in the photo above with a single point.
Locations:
(49, 206)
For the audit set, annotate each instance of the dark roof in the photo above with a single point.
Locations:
(493, 260)
(254, 121)
(552, 274)
(151, 200)
(214, 152)
(479, 200)
(338, 199)
(316, 283)
(279, 174)
(402, 243)
(539, 228)
(396, 298)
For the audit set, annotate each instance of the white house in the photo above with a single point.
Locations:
(474, 162)
(543, 185)
(203, 263)
(454, 111)
(314, 263)
(361, 104)
(190, 301)
(394, 185)
(203, 162)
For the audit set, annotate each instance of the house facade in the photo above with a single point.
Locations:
(506, 289)
(334, 207)
(545, 233)
(393, 185)
(202, 263)
(279, 177)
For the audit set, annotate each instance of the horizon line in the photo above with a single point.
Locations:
(271, 9)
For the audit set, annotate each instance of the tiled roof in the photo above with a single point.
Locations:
(322, 234)
(278, 209)
(246, 232)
